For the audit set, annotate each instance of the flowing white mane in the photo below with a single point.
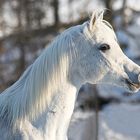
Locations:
(30, 95)
(32, 92)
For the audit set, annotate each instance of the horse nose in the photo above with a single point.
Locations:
(133, 73)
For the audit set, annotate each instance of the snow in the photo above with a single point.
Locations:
(135, 4)
(82, 126)
(119, 122)
(116, 122)
(117, 4)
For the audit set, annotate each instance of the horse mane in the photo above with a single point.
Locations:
(31, 94)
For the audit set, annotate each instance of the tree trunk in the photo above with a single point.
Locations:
(56, 11)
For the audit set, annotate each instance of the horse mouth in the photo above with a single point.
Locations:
(132, 86)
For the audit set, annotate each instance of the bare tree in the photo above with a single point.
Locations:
(55, 5)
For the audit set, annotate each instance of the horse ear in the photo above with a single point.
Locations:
(92, 21)
(101, 15)
(96, 16)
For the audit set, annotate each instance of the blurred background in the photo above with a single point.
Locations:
(27, 26)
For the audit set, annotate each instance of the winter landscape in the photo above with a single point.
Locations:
(102, 112)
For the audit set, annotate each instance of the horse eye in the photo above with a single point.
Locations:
(104, 47)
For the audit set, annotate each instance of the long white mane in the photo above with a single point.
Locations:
(30, 95)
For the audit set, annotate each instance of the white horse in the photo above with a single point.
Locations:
(40, 104)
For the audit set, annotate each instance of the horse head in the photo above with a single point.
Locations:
(101, 59)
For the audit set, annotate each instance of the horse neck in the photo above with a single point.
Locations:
(61, 96)
(55, 120)
(44, 88)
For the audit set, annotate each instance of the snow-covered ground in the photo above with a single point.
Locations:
(82, 126)
(119, 122)
(116, 122)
